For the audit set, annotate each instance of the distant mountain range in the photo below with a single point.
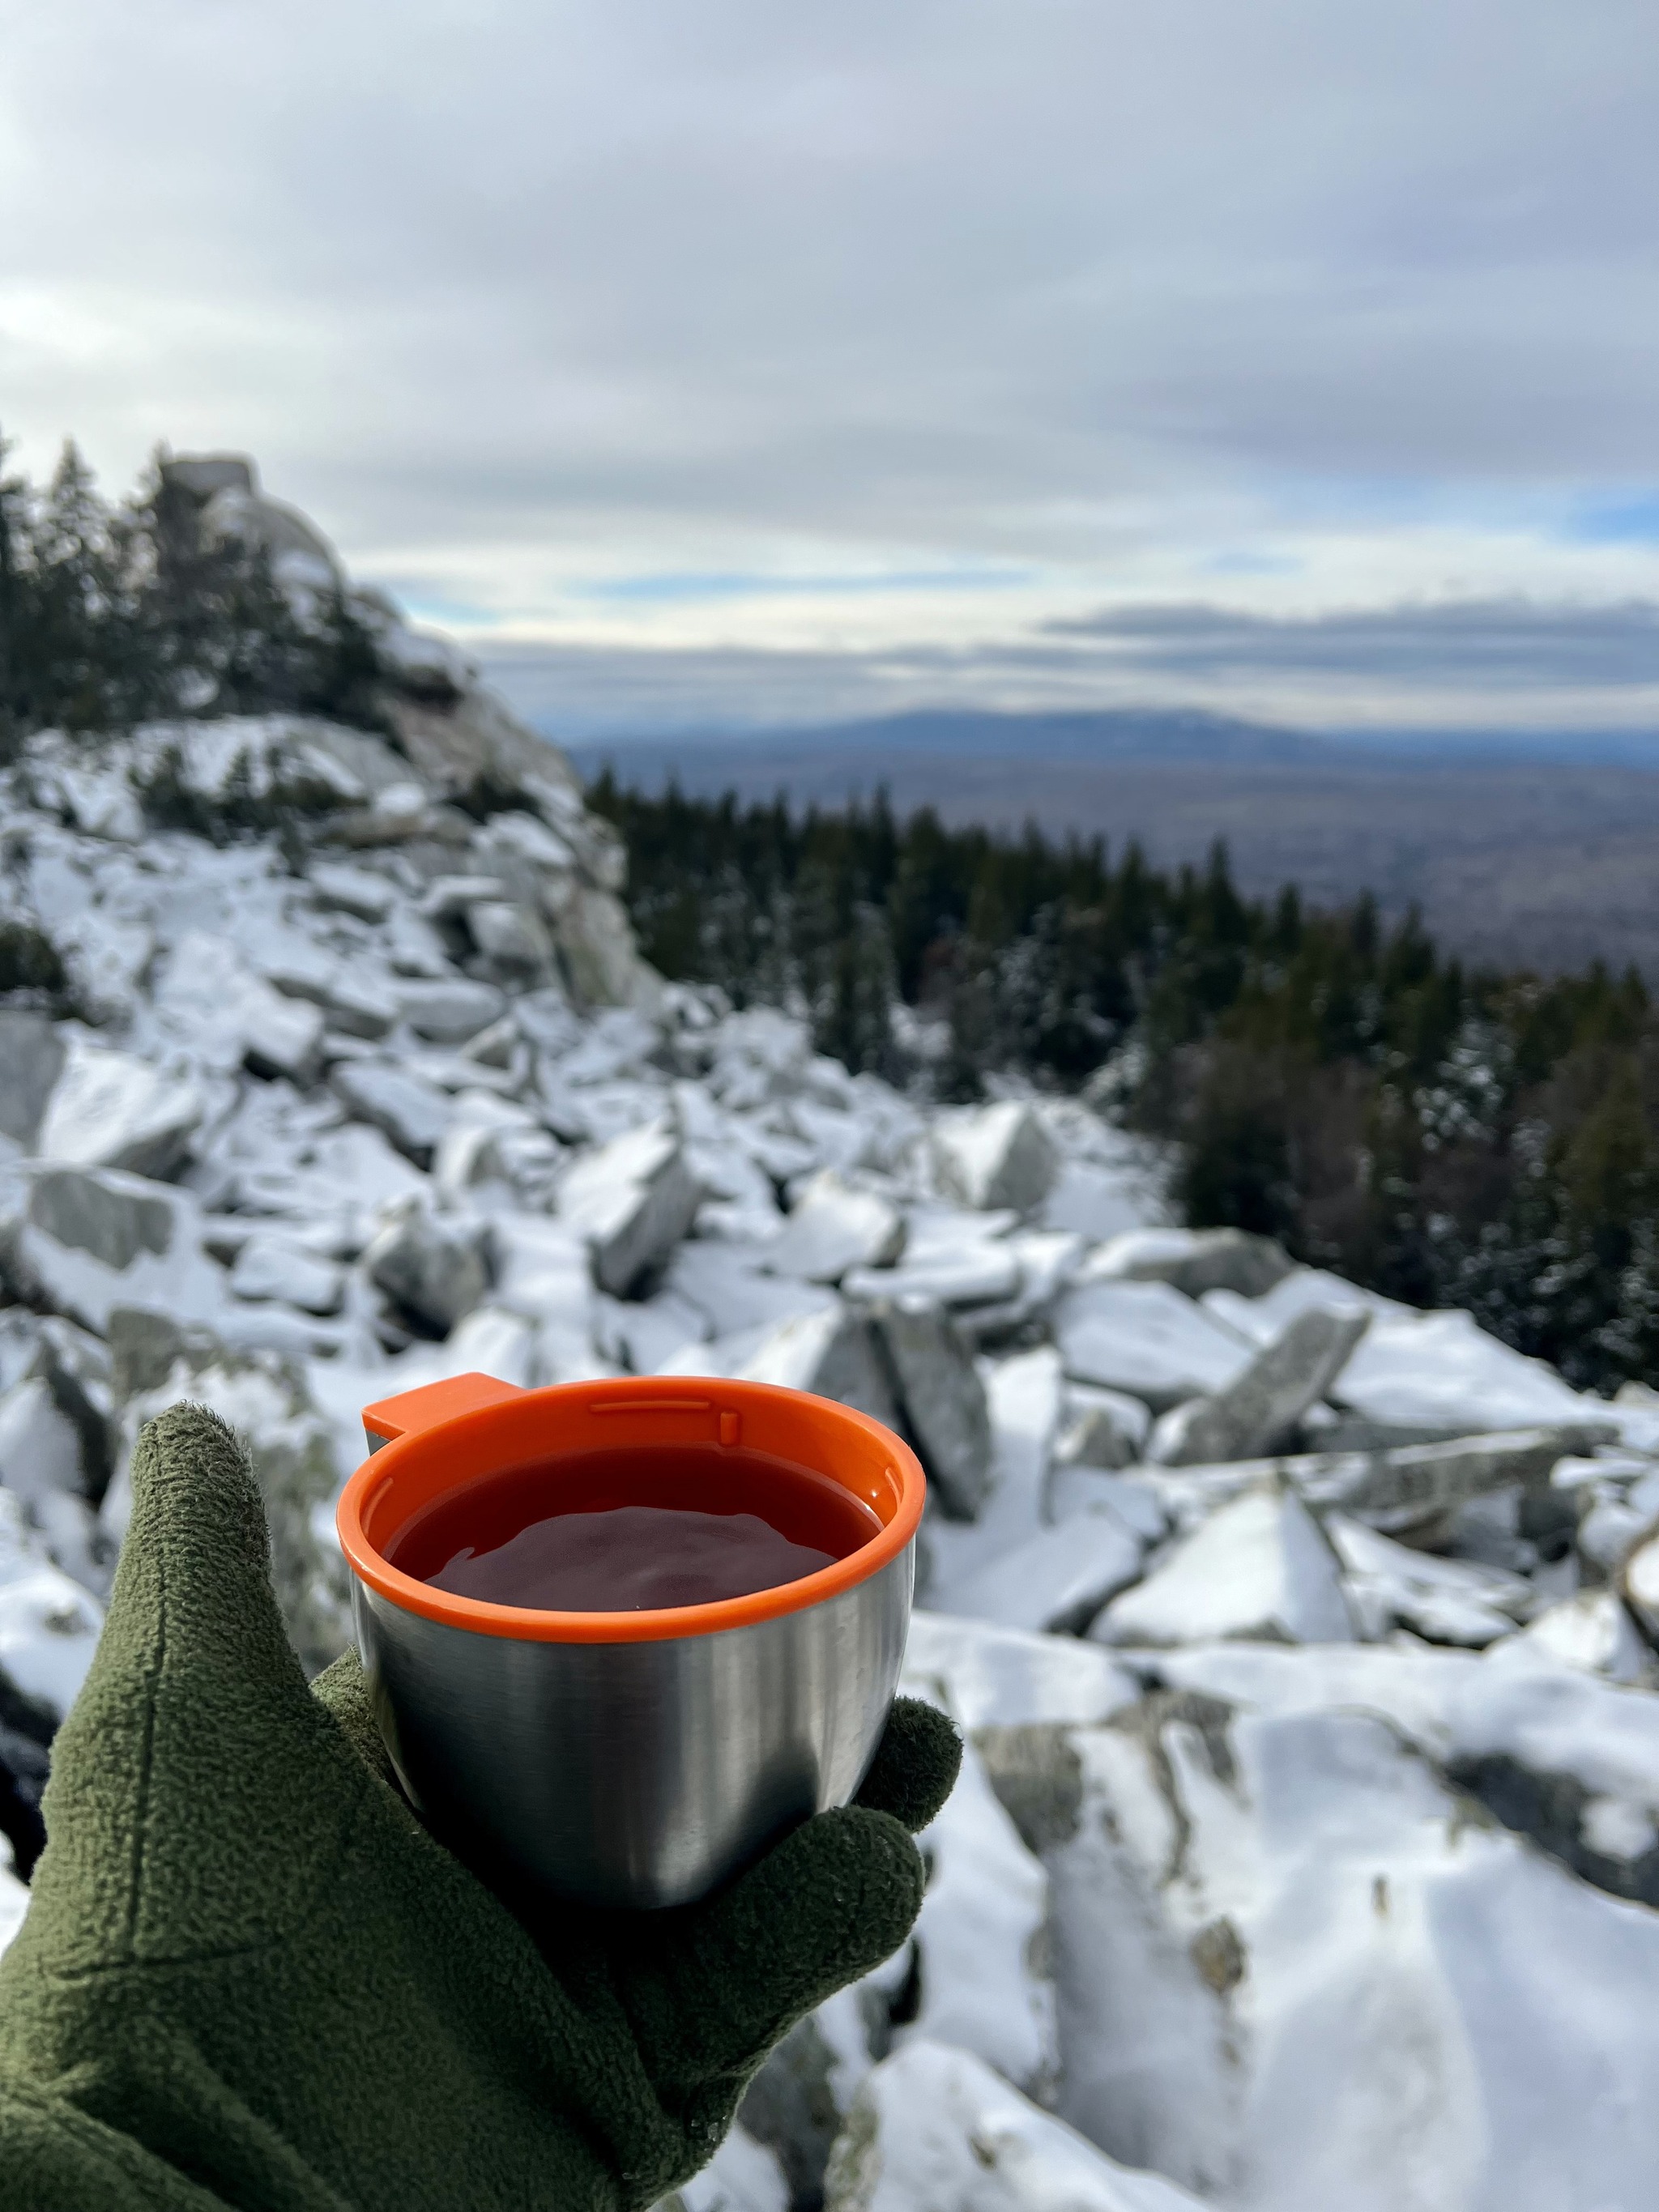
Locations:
(1522, 849)
(1165, 737)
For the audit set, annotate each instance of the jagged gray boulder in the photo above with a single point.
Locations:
(434, 1268)
(1411, 1492)
(994, 1156)
(941, 1401)
(1259, 1411)
(32, 1058)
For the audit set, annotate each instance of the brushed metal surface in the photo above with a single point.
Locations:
(636, 1774)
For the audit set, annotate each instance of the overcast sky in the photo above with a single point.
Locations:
(734, 361)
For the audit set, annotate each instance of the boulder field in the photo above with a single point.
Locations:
(1307, 1851)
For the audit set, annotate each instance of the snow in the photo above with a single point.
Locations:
(1148, 1340)
(934, 2127)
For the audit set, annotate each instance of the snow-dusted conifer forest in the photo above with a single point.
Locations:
(1306, 1853)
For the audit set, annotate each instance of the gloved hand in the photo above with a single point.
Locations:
(249, 1976)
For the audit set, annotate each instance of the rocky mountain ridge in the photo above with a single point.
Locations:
(1307, 1850)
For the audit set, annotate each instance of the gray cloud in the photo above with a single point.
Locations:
(510, 295)
(1490, 646)
(1488, 664)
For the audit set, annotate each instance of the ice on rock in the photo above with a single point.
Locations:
(1195, 1260)
(632, 1201)
(32, 1056)
(1259, 1567)
(941, 1399)
(994, 1156)
(430, 1265)
(834, 1225)
(111, 1109)
(1258, 1412)
(1148, 1340)
(934, 2126)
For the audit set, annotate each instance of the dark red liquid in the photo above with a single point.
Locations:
(631, 1531)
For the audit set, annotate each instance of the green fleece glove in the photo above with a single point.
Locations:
(249, 1976)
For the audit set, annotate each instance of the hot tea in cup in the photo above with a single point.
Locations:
(672, 1529)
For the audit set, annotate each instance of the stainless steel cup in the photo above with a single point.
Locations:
(641, 1758)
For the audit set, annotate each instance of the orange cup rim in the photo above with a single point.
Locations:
(525, 1623)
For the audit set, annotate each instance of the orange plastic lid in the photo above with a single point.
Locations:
(429, 1444)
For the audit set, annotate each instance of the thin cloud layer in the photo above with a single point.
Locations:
(891, 339)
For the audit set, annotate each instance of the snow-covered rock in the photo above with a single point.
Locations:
(994, 1156)
(49, 1623)
(1443, 1601)
(113, 1110)
(1104, 1429)
(413, 1114)
(834, 1226)
(831, 1352)
(1292, 1971)
(1259, 1567)
(1592, 1630)
(1195, 1260)
(1148, 1340)
(82, 1243)
(1319, 1870)
(1058, 1579)
(632, 1201)
(933, 2126)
